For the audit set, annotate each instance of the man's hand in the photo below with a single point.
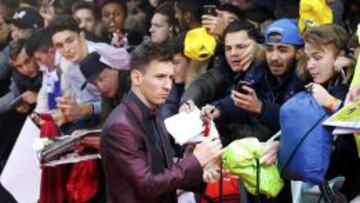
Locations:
(320, 94)
(91, 141)
(36, 119)
(269, 156)
(71, 109)
(248, 54)
(214, 24)
(209, 112)
(29, 97)
(23, 108)
(342, 62)
(211, 175)
(248, 102)
(353, 95)
(208, 151)
(187, 106)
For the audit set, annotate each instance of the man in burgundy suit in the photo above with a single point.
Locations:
(135, 146)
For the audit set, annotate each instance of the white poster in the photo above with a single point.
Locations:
(21, 176)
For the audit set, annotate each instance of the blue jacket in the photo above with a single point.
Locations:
(272, 94)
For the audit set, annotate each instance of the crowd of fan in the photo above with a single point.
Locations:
(71, 59)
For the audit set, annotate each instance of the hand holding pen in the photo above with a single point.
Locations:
(209, 112)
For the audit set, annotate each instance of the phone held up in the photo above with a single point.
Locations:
(240, 85)
(209, 10)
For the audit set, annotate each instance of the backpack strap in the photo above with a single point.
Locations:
(257, 195)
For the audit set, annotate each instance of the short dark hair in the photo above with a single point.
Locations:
(84, 5)
(192, 6)
(121, 3)
(244, 25)
(167, 9)
(15, 47)
(62, 7)
(63, 23)
(232, 9)
(40, 40)
(177, 43)
(144, 54)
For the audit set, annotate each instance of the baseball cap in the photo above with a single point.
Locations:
(287, 30)
(199, 45)
(27, 17)
(91, 66)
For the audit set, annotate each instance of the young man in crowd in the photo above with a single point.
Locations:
(135, 146)
(163, 23)
(26, 79)
(70, 43)
(25, 84)
(84, 13)
(113, 84)
(23, 23)
(113, 15)
(324, 45)
(54, 84)
(188, 13)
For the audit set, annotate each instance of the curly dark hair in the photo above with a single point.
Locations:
(63, 23)
(148, 52)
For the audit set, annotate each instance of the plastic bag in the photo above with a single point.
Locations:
(240, 159)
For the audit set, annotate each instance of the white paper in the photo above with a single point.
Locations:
(342, 131)
(21, 176)
(72, 158)
(187, 127)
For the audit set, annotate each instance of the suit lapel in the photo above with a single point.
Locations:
(164, 140)
(140, 121)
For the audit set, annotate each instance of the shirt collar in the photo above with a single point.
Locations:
(147, 113)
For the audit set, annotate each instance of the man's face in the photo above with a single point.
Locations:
(46, 59)
(25, 65)
(236, 45)
(160, 28)
(107, 82)
(86, 19)
(153, 3)
(113, 16)
(320, 62)
(179, 15)
(154, 83)
(17, 33)
(70, 45)
(280, 58)
(181, 64)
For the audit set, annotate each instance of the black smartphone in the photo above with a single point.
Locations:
(240, 85)
(209, 10)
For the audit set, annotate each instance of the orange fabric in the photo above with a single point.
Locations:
(230, 191)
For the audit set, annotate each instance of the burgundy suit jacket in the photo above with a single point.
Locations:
(135, 170)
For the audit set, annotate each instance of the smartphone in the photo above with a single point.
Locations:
(240, 85)
(209, 10)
